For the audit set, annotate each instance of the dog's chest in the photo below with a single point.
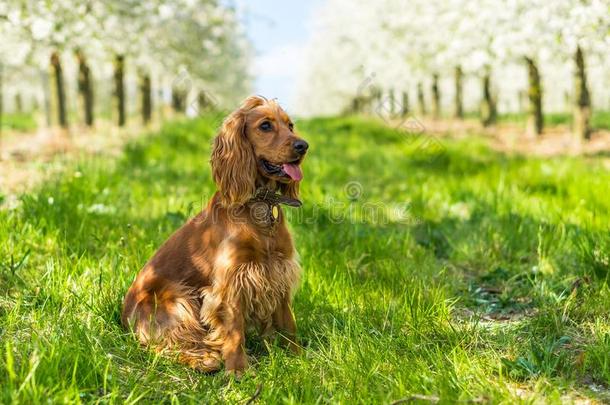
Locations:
(258, 272)
(263, 286)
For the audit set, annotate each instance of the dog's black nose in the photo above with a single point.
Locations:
(300, 146)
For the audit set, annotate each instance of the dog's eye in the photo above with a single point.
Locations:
(291, 126)
(265, 126)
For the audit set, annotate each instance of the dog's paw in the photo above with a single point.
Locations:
(235, 374)
(202, 360)
(205, 364)
(210, 365)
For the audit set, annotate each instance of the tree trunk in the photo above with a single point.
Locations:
(392, 101)
(178, 100)
(60, 91)
(582, 107)
(459, 79)
(535, 119)
(376, 100)
(436, 98)
(175, 100)
(488, 104)
(204, 103)
(355, 105)
(119, 87)
(146, 90)
(405, 104)
(160, 101)
(85, 87)
(18, 103)
(420, 99)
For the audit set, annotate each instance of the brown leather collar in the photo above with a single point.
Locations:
(265, 206)
(272, 198)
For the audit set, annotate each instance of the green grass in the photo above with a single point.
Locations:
(599, 119)
(22, 122)
(438, 268)
(550, 119)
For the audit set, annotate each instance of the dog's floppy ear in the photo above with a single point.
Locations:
(233, 161)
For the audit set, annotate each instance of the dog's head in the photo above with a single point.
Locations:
(257, 146)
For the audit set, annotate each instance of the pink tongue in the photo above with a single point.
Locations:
(294, 171)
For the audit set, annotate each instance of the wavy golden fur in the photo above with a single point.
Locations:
(225, 271)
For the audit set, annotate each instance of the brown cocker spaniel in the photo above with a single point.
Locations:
(233, 266)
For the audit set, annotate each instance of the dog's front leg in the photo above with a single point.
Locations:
(233, 351)
(284, 323)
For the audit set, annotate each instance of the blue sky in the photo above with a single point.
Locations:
(279, 32)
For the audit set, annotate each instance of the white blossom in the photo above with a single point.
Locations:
(394, 44)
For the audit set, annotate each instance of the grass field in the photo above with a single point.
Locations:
(599, 119)
(431, 267)
(22, 122)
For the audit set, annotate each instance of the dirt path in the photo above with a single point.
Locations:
(511, 138)
(27, 158)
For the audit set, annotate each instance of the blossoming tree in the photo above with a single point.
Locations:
(514, 48)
